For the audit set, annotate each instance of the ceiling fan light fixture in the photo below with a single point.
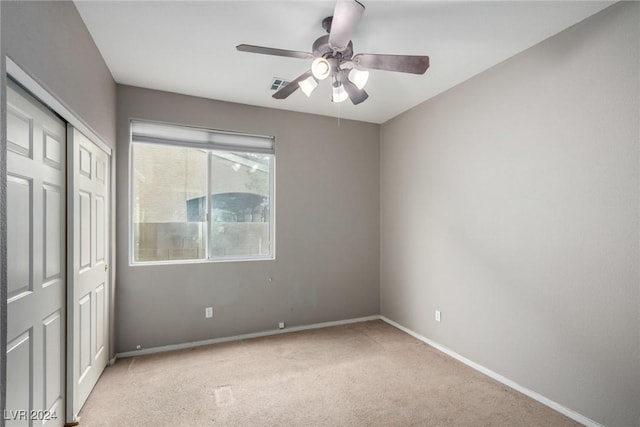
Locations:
(308, 85)
(358, 77)
(331, 52)
(321, 68)
(339, 94)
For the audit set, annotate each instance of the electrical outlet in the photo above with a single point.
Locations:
(281, 325)
(438, 316)
(208, 312)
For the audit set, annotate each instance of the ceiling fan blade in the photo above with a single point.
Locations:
(402, 63)
(346, 16)
(355, 95)
(291, 87)
(272, 51)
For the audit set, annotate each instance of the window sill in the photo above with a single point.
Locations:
(198, 261)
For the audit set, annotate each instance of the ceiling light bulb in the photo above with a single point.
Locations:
(359, 77)
(320, 68)
(308, 85)
(339, 94)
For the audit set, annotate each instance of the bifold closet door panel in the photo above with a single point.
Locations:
(36, 262)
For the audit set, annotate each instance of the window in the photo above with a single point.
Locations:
(199, 194)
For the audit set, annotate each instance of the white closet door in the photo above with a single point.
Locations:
(35, 262)
(88, 302)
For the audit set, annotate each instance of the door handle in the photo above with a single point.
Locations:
(106, 267)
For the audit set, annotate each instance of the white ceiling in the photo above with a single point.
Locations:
(189, 47)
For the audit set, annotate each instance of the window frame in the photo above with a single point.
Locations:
(209, 259)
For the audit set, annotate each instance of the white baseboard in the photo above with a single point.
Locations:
(286, 330)
(506, 381)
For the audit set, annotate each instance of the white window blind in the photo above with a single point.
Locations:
(160, 133)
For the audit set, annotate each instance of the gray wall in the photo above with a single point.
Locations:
(50, 41)
(327, 231)
(511, 204)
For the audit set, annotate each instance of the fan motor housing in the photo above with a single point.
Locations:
(322, 48)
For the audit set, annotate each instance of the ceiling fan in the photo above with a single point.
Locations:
(333, 58)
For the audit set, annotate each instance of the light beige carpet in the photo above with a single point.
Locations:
(364, 374)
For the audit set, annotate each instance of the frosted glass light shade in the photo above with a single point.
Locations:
(308, 85)
(358, 77)
(320, 68)
(339, 94)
